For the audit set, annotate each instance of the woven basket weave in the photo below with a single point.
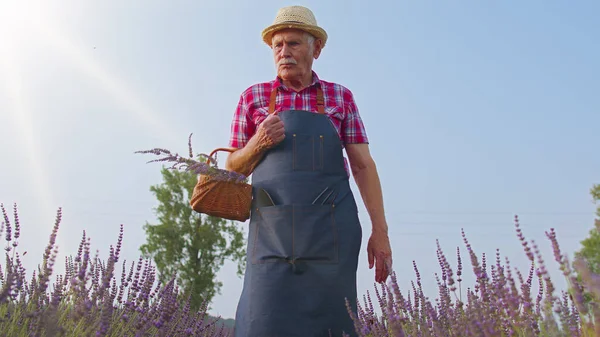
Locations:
(224, 199)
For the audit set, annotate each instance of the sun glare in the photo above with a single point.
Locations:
(27, 23)
(17, 19)
(16, 23)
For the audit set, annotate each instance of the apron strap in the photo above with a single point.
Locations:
(320, 101)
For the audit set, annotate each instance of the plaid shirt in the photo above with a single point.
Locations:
(340, 107)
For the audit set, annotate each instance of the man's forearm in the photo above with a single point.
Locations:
(367, 180)
(245, 160)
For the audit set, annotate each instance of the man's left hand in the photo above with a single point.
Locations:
(380, 255)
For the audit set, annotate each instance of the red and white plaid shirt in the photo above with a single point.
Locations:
(253, 108)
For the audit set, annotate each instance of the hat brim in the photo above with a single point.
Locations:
(317, 32)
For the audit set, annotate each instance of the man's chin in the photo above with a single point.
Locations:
(286, 67)
(286, 73)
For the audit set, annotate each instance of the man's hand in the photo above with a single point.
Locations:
(268, 134)
(271, 131)
(380, 255)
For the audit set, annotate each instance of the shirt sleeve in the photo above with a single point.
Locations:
(353, 128)
(241, 126)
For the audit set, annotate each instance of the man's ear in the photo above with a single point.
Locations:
(318, 48)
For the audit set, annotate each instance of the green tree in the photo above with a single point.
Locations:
(187, 244)
(595, 191)
(590, 246)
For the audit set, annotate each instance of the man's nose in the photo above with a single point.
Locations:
(285, 50)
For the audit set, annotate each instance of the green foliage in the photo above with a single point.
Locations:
(590, 246)
(590, 250)
(595, 192)
(187, 244)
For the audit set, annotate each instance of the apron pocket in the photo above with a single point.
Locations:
(315, 235)
(290, 233)
(307, 152)
(273, 238)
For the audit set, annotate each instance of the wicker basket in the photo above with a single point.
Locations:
(224, 199)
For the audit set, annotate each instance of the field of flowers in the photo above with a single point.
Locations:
(91, 300)
(500, 303)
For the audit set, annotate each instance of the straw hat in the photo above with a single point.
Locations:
(294, 17)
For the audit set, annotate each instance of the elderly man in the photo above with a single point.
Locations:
(305, 235)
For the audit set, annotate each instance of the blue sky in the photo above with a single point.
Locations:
(476, 111)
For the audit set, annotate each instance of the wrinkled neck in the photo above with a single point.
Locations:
(297, 84)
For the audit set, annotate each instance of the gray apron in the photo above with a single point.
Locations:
(304, 236)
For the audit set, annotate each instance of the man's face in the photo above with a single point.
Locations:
(294, 53)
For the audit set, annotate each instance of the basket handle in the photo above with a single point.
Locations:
(226, 149)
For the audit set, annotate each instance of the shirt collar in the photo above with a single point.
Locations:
(278, 84)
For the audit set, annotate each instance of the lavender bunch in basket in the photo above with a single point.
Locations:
(199, 166)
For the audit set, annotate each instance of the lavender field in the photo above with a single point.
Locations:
(122, 298)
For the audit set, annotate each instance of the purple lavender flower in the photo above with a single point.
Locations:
(87, 299)
(196, 166)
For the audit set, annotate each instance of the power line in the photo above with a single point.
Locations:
(495, 212)
(477, 234)
(407, 212)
